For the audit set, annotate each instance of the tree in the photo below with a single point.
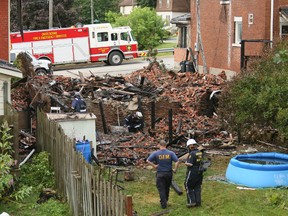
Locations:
(147, 3)
(100, 8)
(35, 14)
(147, 26)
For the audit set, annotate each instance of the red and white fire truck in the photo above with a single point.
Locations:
(90, 43)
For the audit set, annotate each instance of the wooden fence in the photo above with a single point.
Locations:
(11, 116)
(84, 185)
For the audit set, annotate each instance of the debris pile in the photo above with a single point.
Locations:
(187, 95)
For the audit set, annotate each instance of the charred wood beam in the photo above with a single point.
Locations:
(158, 119)
(140, 108)
(63, 105)
(103, 117)
(269, 144)
(142, 81)
(27, 134)
(170, 125)
(153, 115)
(175, 140)
(15, 84)
(179, 126)
(180, 154)
(139, 91)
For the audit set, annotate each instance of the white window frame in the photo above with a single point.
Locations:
(283, 22)
(224, 2)
(168, 4)
(281, 29)
(237, 31)
(160, 3)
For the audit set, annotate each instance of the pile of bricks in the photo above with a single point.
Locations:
(187, 95)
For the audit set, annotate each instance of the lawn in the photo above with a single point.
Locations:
(29, 206)
(218, 197)
(166, 44)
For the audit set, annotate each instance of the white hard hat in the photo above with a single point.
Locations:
(139, 114)
(191, 142)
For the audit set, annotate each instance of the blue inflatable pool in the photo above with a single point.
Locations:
(259, 170)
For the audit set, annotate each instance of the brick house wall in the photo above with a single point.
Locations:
(180, 5)
(173, 5)
(217, 30)
(4, 29)
(169, 9)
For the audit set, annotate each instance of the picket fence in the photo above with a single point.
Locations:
(88, 191)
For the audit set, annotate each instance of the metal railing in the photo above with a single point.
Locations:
(162, 50)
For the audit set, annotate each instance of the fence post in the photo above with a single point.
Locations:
(129, 206)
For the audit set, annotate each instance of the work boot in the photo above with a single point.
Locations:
(163, 206)
(191, 205)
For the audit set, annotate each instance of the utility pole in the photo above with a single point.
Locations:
(92, 15)
(50, 14)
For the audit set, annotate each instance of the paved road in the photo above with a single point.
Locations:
(100, 68)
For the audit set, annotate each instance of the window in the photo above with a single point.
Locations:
(114, 36)
(160, 3)
(167, 20)
(102, 36)
(125, 36)
(223, 2)
(238, 30)
(168, 3)
(183, 37)
(284, 30)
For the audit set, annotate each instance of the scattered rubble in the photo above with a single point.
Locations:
(186, 95)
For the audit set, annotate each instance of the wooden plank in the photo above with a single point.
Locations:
(102, 201)
(105, 198)
(128, 205)
(113, 198)
(116, 201)
(109, 197)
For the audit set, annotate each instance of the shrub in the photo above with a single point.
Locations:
(256, 100)
(38, 173)
(6, 160)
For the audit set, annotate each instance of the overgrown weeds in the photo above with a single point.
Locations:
(34, 177)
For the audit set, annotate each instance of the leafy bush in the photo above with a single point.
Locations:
(38, 173)
(6, 160)
(256, 100)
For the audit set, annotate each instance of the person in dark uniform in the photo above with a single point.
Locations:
(79, 105)
(134, 122)
(162, 161)
(194, 175)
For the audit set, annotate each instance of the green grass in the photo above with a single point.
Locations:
(29, 206)
(218, 198)
(165, 45)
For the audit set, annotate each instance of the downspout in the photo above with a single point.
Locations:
(271, 22)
